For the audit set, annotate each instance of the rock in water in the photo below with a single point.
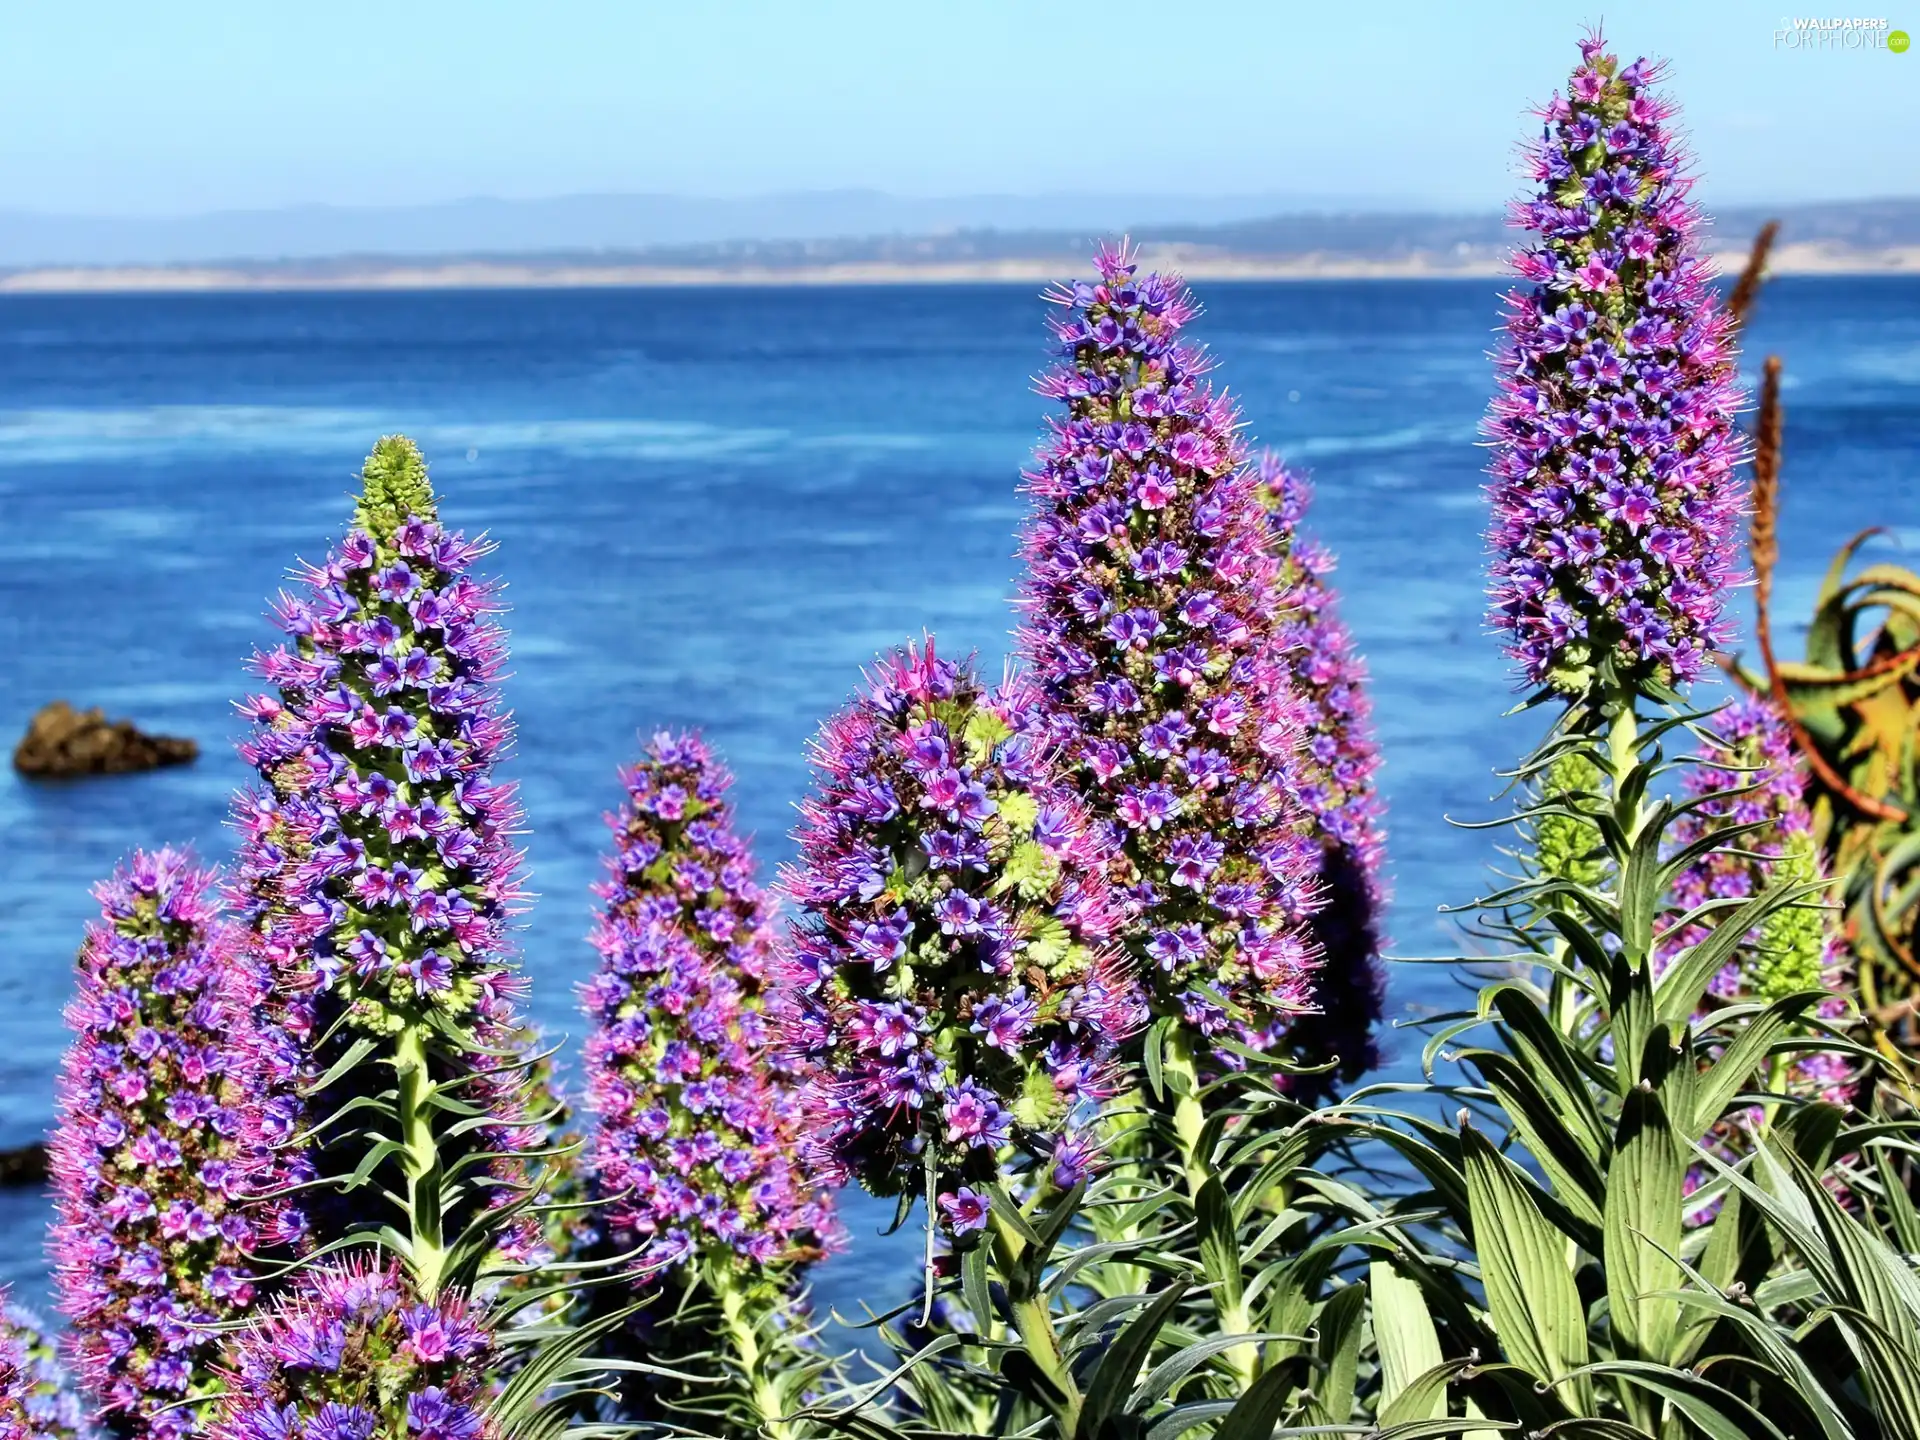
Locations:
(62, 742)
(24, 1166)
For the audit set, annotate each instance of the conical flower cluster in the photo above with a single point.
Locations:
(1749, 775)
(1333, 779)
(377, 873)
(951, 992)
(697, 1140)
(37, 1398)
(355, 1353)
(153, 1242)
(1614, 489)
(1152, 611)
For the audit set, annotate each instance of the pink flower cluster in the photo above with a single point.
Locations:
(153, 1239)
(1749, 789)
(1615, 494)
(1333, 780)
(699, 1129)
(354, 1352)
(1153, 627)
(37, 1398)
(952, 996)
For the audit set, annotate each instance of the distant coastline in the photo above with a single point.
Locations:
(1807, 258)
(1871, 237)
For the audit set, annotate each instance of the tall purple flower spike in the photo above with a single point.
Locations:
(1614, 492)
(697, 1143)
(354, 1352)
(150, 1173)
(1334, 781)
(377, 872)
(1153, 628)
(1749, 775)
(952, 992)
(37, 1398)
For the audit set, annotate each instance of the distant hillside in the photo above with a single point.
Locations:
(1858, 236)
(590, 222)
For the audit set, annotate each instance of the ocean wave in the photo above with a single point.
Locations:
(166, 432)
(1406, 437)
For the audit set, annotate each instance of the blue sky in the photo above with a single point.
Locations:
(128, 107)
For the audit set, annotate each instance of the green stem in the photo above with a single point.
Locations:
(1033, 1322)
(1126, 1130)
(1189, 1121)
(1778, 1066)
(1623, 754)
(768, 1408)
(1189, 1115)
(420, 1157)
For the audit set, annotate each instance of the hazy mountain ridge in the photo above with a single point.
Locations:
(585, 223)
(1867, 235)
(830, 227)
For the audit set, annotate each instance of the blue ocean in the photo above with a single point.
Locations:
(712, 508)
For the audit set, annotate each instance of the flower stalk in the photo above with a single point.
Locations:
(1152, 616)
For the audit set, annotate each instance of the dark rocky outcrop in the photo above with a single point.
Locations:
(62, 742)
(26, 1165)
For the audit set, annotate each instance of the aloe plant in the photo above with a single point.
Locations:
(1853, 703)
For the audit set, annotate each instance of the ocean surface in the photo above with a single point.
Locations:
(712, 508)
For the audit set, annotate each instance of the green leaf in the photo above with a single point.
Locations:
(1153, 1056)
(1683, 982)
(1402, 1330)
(1643, 1229)
(554, 1358)
(355, 1054)
(1183, 1419)
(1537, 1044)
(1112, 1380)
(1577, 1180)
(1892, 1374)
(1055, 1219)
(1161, 1380)
(1783, 1363)
(1641, 887)
(1899, 1203)
(1531, 1295)
(1219, 1242)
(974, 1287)
(1740, 1061)
(1256, 1413)
(1424, 1398)
(1339, 1348)
(1718, 1413)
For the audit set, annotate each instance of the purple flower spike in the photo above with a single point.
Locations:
(1153, 626)
(149, 1167)
(952, 994)
(1749, 775)
(37, 1398)
(1615, 494)
(354, 1353)
(1333, 778)
(699, 1127)
(377, 873)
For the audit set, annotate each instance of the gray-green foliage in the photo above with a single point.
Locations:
(1573, 1258)
(1566, 1264)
